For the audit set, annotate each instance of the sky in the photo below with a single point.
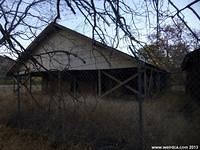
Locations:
(77, 22)
(191, 19)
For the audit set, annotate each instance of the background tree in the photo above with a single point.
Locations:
(168, 51)
(21, 20)
(115, 23)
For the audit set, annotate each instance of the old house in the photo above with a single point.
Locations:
(70, 62)
(191, 66)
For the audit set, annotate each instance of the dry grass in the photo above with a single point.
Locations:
(169, 119)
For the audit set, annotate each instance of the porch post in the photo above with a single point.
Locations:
(14, 88)
(140, 102)
(145, 83)
(59, 90)
(30, 83)
(74, 86)
(18, 95)
(99, 82)
(150, 82)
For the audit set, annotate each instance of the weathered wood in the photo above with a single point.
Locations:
(99, 82)
(77, 54)
(18, 95)
(14, 85)
(140, 102)
(145, 83)
(59, 90)
(119, 81)
(30, 83)
(119, 85)
(150, 81)
(158, 81)
(74, 87)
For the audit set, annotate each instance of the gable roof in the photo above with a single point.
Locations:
(55, 27)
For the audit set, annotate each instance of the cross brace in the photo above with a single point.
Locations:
(121, 83)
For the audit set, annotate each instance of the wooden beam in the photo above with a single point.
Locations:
(119, 85)
(18, 95)
(140, 102)
(30, 83)
(145, 83)
(155, 69)
(74, 87)
(14, 85)
(59, 90)
(150, 81)
(158, 81)
(119, 81)
(99, 82)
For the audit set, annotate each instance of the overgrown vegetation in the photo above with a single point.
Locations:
(6, 81)
(169, 119)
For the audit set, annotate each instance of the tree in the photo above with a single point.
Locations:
(169, 49)
(21, 20)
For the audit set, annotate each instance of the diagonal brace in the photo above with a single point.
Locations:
(119, 81)
(119, 85)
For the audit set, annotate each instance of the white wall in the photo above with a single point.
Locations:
(95, 57)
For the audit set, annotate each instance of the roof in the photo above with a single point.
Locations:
(54, 27)
(191, 60)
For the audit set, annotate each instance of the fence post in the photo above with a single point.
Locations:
(140, 102)
(18, 99)
(14, 84)
(74, 87)
(61, 135)
(30, 83)
(145, 83)
(59, 91)
(99, 83)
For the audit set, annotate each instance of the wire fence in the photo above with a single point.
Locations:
(72, 105)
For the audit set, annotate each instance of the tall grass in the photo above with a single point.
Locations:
(170, 119)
